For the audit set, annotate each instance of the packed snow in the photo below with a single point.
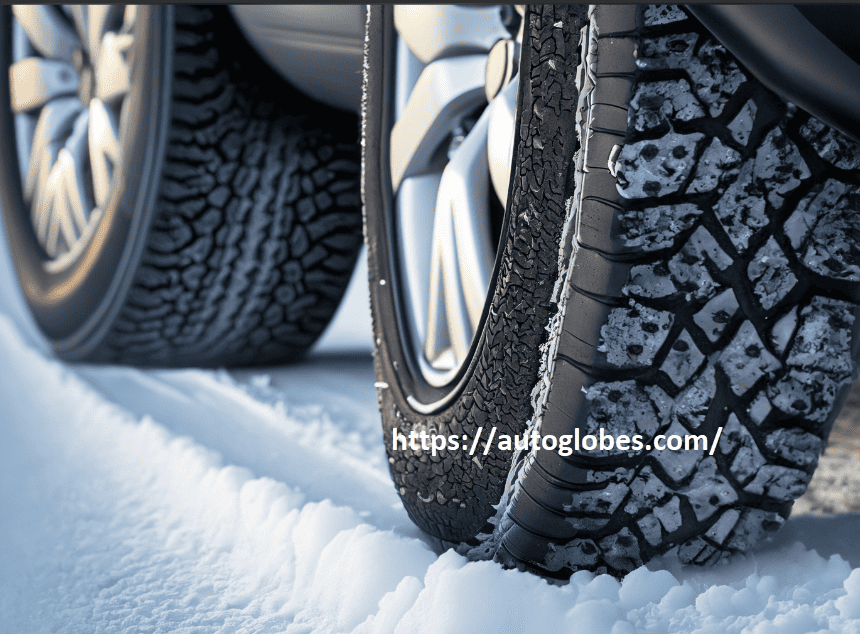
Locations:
(260, 501)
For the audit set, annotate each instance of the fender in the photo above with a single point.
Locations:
(317, 48)
(793, 58)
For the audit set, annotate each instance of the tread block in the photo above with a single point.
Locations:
(615, 18)
(615, 55)
(540, 520)
(609, 117)
(600, 227)
(600, 146)
(594, 274)
(613, 90)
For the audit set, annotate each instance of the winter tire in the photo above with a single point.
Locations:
(676, 259)
(168, 199)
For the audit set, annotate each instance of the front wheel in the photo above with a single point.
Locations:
(674, 266)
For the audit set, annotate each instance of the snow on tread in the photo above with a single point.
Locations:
(729, 323)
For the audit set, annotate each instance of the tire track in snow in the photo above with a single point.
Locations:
(253, 427)
(115, 523)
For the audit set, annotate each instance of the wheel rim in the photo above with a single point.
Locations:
(69, 83)
(450, 154)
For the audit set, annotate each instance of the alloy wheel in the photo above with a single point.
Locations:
(69, 84)
(450, 158)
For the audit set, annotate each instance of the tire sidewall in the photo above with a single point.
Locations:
(76, 306)
(494, 388)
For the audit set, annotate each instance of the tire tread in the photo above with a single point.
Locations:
(259, 224)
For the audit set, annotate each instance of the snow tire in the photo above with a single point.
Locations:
(678, 257)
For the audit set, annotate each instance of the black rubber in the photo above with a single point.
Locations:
(713, 284)
(452, 495)
(773, 43)
(692, 267)
(256, 229)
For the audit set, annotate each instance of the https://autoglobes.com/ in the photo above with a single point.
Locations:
(565, 444)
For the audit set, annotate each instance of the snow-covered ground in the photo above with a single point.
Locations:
(260, 501)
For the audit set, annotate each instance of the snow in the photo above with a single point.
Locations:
(260, 501)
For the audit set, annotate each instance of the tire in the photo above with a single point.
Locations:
(688, 271)
(231, 226)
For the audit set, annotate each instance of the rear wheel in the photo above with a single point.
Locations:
(161, 206)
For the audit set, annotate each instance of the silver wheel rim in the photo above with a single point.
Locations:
(442, 166)
(69, 83)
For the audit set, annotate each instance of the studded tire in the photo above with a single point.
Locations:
(703, 284)
(239, 223)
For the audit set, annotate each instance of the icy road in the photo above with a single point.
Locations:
(199, 501)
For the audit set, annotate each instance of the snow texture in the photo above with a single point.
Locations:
(200, 501)
(657, 14)
(824, 231)
(658, 102)
(656, 227)
(632, 336)
(656, 168)
(260, 502)
(770, 273)
(741, 126)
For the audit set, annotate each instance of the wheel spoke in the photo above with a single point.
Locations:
(79, 15)
(34, 81)
(65, 211)
(104, 149)
(445, 91)
(416, 203)
(462, 251)
(449, 332)
(55, 124)
(92, 22)
(129, 18)
(49, 33)
(70, 149)
(500, 138)
(441, 165)
(455, 30)
(112, 70)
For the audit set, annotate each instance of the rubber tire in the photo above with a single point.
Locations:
(236, 225)
(719, 294)
(451, 496)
